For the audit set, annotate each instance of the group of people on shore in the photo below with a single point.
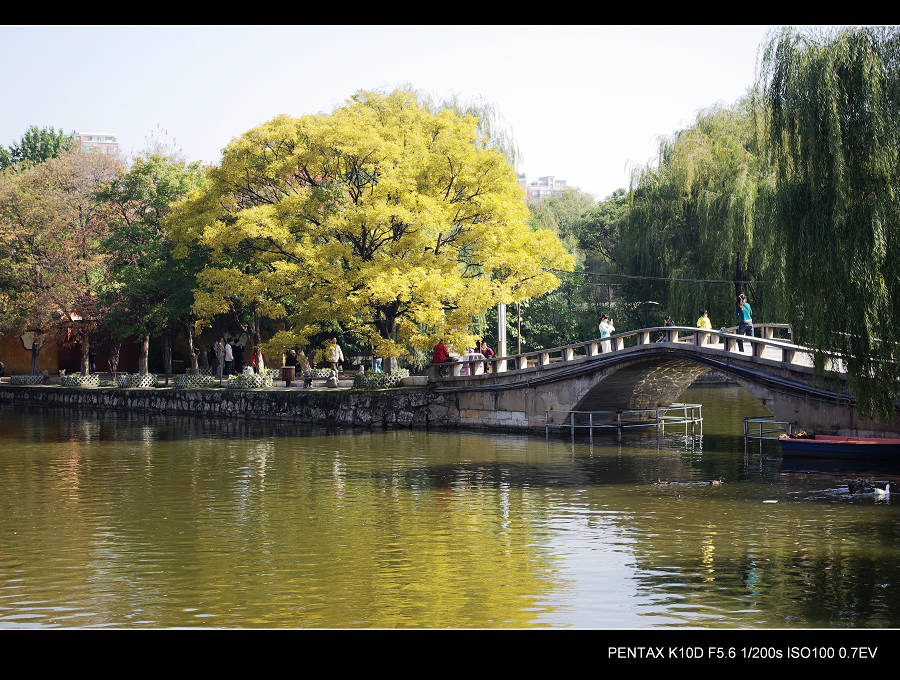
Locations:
(299, 359)
(441, 354)
(227, 356)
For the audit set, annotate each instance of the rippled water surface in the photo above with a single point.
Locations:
(154, 521)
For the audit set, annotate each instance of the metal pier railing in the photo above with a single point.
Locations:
(766, 428)
(690, 414)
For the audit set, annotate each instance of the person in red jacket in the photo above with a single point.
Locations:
(440, 355)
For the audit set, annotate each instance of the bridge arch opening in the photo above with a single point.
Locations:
(659, 382)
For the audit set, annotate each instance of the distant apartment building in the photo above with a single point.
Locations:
(543, 187)
(100, 142)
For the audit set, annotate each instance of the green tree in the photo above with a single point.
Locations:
(696, 215)
(831, 104)
(36, 146)
(149, 292)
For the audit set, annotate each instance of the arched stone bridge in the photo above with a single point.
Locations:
(633, 370)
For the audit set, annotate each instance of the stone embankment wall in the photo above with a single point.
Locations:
(404, 407)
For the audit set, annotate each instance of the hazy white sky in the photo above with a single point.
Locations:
(584, 103)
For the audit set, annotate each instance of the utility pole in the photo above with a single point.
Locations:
(501, 329)
(519, 328)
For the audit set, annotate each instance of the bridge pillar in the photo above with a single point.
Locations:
(644, 338)
(544, 359)
(787, 356)
(522, 362)
(568, 354)
(593, 349)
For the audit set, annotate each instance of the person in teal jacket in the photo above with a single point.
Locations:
(745, 318)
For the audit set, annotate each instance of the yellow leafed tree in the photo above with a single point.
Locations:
(395, 222)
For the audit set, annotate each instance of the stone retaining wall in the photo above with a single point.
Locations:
(404, 407)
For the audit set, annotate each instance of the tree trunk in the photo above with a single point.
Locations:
(195, 369)
(257, 341)
(114, 351)
(143, 356)
(386, 323)
(204, 355)
(167, 352)
(85, 353)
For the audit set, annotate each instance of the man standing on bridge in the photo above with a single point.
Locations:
(745, 319)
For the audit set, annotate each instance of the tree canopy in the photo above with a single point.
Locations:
(395, 221)
(147, 291)
(831, 105)
(36, 146)
(51, 227)
(696, 214)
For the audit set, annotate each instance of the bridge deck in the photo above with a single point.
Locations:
(767, 348)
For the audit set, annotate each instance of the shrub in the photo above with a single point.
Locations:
(37, 379)
(248, 382)
(79, 380)
(378, 381)
(136, 380)
(189, 381)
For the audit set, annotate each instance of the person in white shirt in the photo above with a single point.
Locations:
(336, 356)
(606, 328)
(229, 357)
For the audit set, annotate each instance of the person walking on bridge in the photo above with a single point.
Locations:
(704, 323)
(745, 318)
(606, 329)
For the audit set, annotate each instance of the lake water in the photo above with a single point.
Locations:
(117, 520)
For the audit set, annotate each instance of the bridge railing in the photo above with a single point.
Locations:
(769, 346)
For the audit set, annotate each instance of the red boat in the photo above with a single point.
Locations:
(825, 445)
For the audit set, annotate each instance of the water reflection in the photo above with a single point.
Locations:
(116, 520)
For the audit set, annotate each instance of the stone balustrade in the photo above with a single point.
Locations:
(767, 346)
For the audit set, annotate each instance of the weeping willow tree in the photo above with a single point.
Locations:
(829, 101)
(694, 215)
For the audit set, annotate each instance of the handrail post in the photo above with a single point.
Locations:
(757, 348)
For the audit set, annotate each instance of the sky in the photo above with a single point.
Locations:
(586, 104)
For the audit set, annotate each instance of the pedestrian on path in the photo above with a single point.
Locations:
(336, 356)
(229, 357)
(219, 349)
(745, 318)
